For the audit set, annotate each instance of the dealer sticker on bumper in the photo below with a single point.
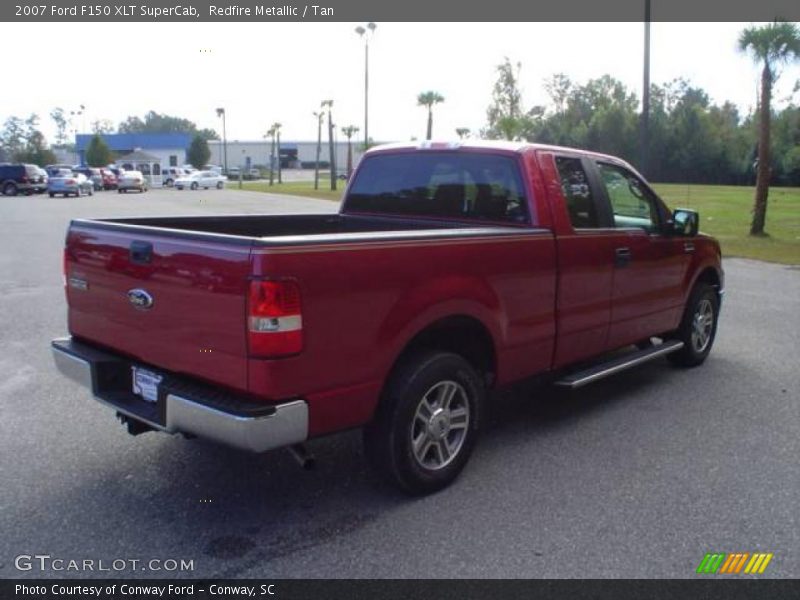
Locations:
(145, 384)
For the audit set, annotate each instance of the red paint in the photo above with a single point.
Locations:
(547, 298)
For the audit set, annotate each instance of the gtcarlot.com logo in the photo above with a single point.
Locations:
(46, 562)
(719, 563)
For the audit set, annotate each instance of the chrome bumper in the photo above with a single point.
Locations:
(283, 425)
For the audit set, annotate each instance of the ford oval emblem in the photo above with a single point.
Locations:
(140, 298)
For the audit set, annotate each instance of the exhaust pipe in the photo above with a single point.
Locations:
(303, 456)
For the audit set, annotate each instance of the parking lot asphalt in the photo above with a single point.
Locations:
(639, 475)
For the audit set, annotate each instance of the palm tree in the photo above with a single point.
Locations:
(770, 45)
(349, 132)
(428, 99)
(274, 132)
(462, 132)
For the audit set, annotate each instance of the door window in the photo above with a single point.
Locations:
(632, 204)
(577, 193)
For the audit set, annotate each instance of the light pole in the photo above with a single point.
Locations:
(366, 33)
(221, 113)
(320, 117)
(645, 133)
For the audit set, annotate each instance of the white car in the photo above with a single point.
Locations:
(201, 179)
(132, 180)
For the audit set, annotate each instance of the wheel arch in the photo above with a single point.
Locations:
(462, 334)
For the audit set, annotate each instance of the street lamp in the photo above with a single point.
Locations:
(365, 34)
(221, 113)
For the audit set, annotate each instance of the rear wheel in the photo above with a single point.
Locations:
(698, 327)
(9, 189)
(51, 194)
(219, 185)
(194, 185)
(427, 422)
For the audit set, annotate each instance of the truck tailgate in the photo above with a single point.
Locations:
(195, 289)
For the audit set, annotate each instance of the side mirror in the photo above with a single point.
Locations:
(684, 222)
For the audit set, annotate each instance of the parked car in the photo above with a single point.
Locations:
(109, 179)
(450, 270)
(233, 173)
(201, 179)
(254, 173)
(68, 183)
(170, 174)
(21, 179)
(132, 180)
(45, 178)
(52, 169)
(92, 174)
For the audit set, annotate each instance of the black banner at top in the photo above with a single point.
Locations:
(407, 10)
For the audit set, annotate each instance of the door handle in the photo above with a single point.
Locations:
(622, 256)
(688, 247)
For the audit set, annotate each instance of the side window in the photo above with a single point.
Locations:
(577, 193)
(631, 202)
(173, 160)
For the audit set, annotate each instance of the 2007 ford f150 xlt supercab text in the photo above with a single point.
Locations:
(451, 269)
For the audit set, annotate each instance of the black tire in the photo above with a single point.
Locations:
(697, 330)
(389, 438)
(169, 182)
(194, 185)
(10, 189)
(219, 185)
(91, 191)
(119, 191)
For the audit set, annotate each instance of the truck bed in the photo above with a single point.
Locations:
(297, 228)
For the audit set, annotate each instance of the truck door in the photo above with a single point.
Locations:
(648, 272)
(586, 258)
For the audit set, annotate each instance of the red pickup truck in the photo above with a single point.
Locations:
(450, 270)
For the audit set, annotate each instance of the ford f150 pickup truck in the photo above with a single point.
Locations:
(450, 270)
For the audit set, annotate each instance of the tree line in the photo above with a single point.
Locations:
(21, 139)
(691, 139)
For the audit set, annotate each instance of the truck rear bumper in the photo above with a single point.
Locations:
(182, 405)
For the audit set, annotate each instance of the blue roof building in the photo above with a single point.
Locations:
(170, 148)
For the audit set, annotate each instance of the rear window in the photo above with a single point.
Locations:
(457, 185)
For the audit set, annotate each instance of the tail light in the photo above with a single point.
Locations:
(70, 182)
(274, 319)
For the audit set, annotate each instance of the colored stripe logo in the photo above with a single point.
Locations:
(734, 563)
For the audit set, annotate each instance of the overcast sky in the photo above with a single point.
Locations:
(265, 72)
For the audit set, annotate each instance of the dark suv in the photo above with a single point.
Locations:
(19, 178)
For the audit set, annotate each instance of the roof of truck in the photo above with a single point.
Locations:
(501, 145)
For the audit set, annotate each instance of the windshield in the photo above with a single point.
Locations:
(440, 184)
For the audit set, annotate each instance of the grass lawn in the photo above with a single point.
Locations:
(725, 214)
(295, 188)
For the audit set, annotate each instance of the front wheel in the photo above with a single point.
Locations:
(427, 422)
(194, 185)
(698, 327)
(219, 185)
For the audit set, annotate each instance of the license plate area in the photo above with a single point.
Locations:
(145, 384)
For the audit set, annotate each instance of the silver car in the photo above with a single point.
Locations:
(64, 181)
(131, 180)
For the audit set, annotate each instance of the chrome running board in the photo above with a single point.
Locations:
(618, 364)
